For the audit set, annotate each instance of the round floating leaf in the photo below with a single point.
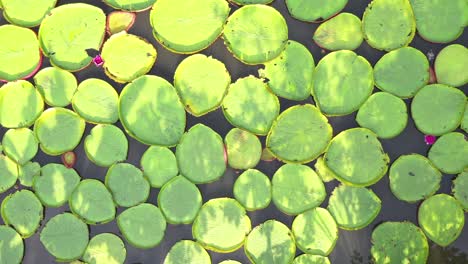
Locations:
(438, 109)
(270, 242)
(314, 10)
(201, 83)
(402, 72)
(200, 155)
(59, 130)
(179, 200)
(96, 101)
(56, 86)
(106, 145)
(143, 225)
(353, 207)
(315, 231)
(159, 165)
(20, 104)
(460, 189)
(343, 31)
(230, 262)
(464, 122)
(92, 202)
(151, 111)
(27, 173)
(65, 236)
(383, 113)
(290, 75)
(23, 211)
(105, 248)
(299, 134)
(255, 34)
(221, 216)
(118, 21)
(130, 5)
(395, 242)
(12, 248)
(20, 145)
(127, 184)
(243, 149)
(253, 190)
(388, 24)
(187, 251)
(323, 171)
(449, 153)
(311, 259)
(442, 219)
(27, 13)
(342, 83)
(65, 41)
(356, 157)
(450, 65)
(413, 178)
(9, 171)
(55, 184)
(188, 26)
(296, 189)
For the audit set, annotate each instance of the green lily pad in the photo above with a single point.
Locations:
(438, 109)
(353, 207)
(323, 171)
(250, 2)
(65, 236)
(118, 21)
(296, 189)
(383, 113)
(59, 130)
(20, 104)
(105, 248)
(314, 10)
(311, 259)
(252, 189)
(28, 13)
(230, 262)
(450, 65)
(127, 184)
(315, 231)
(12, 246)
(23, 211)
(179, 200)
(188, 26)
(130, 5)
(388, 24)
(343, 81)
(300, 134)
(56, 86)
(143, 225)
(201, 83)
(92, 202)
(464, 122)
(441, 217)
(413, 178)
(343, 31)
(96, 101)
(20, 145)
(9, 171)
(159, 165)
(460, 189)
(127, 57)
(255, 34)
(151, 111)
(270, 242)
(243, 149)
(27, 173)
(200, 155)
(449, 153)
(402, 72)
(106, 145)
(399, 242)
(290, 75)
(221, 216)
(187, 251)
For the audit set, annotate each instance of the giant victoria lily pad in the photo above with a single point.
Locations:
(105, 248)
(56, 86)
(253, 190)
(449, 153)
(341, 32)
(9, 171)
(106, 145)
(186, 251)
(460, 189)
(16, 13)
(314, 10)
(130, 5)
(20, 145)
(23, 211)
(159, 165)
(450, 65)
(243, 149)
(12, 246)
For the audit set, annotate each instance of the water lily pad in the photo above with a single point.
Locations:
(201, 83)
(343, 31)
(127, 184)
(270, 242)
(106, 145)
(12, 246)
(27, 173)
(383, 113)
(255, 34)
(449, 153)
(20, 145)
(250, 2)
(159, 165)
(413, 178)
(9, 171)
(65, 236)
(290, 75)
(221, 216)
(464, 122)
(229, 261)
(118, 21)
(315, 231)
(311, 259)
(243, 149)
(151, 111)
(253, 190)
(27, 13)
(105, 248)
(96, 101)
(56, 86)
(438, 109)
(59, 130)
(323, 171)
(399, 242)
(200, 155)
(23, 211)
(450, 65)
(188, 26)
(130, 5)
(388, 24)
(179, 200)
(300, 134)
(342, 83)
(442, 219)
(460, 189)
(143, 225)
(187, 251)
(314, 10)
(353, 207)
(296, 189)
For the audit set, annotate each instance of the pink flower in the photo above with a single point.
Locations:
(430, 139)
(98, 61)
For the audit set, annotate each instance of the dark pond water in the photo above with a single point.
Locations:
(352, 247)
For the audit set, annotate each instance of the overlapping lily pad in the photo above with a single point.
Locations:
(253, 190)
(130, 5)
(105, 248)
(159, 165)
(28, 172)
(28, 13)
(20, 145)
(314, 10)
(311, 259)
(323, 171)
(341, 32)
(12, 248)
(56, 86)
(450, 64)
(127, 185)
(460, 189)
(243, 149)
(106, 145)
(187, 251)
(9, 171)
(449, 153)
(118, 21)
(23, 211)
